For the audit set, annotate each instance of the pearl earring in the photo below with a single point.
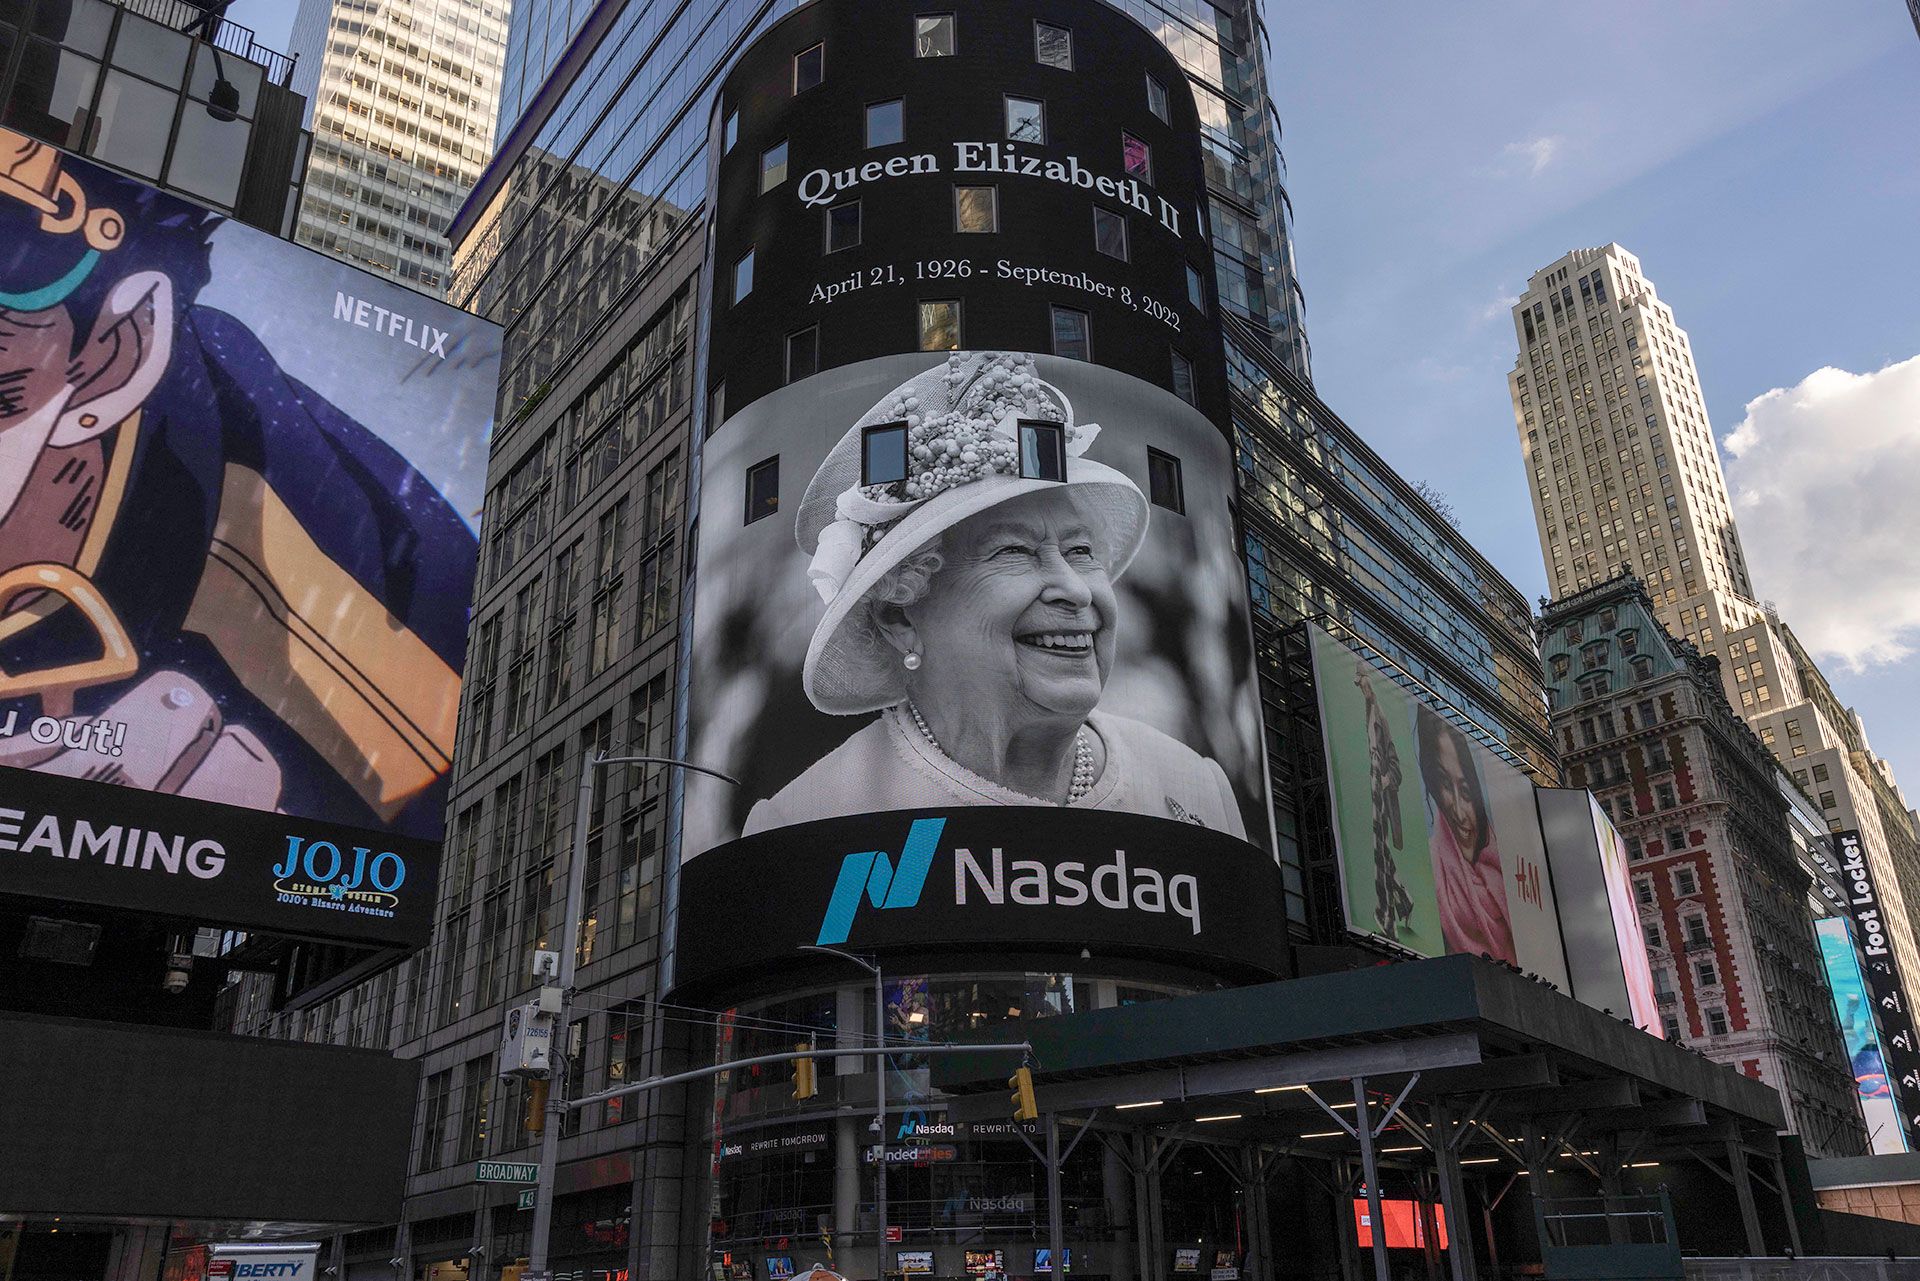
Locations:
(910, 660)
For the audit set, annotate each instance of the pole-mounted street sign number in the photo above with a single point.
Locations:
(506, 1172)
(527, 1199)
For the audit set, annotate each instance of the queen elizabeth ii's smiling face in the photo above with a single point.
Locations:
(1018, 625)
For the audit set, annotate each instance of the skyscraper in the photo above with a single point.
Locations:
(1623, 472)
(401, 99)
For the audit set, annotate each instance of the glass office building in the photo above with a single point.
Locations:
(585, 239)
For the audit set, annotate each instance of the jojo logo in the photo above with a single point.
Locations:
(885, 884)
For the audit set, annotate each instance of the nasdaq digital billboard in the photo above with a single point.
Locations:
(970, 623)
(235, 563)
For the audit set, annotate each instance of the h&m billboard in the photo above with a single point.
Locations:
(970, 623)
(234, 562)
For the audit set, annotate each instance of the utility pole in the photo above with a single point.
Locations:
(880, 1101)
(561, 1056)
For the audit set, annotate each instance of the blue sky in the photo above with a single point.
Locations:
(1760, 158)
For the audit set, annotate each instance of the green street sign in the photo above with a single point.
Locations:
(505, 1172)
(527, 1199)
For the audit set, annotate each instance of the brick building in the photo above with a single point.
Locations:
(1643, 722)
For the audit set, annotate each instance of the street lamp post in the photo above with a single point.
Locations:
(569, 956)
(880, 1100)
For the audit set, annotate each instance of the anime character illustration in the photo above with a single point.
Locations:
(1393, 906)
(213, 582)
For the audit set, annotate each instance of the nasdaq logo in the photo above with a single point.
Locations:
(884, 883)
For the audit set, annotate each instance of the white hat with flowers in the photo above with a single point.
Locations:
(963, 457)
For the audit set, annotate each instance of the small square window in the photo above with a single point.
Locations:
(1072, 336)
(1684, 881)
(883, 454)
(743, 277)
(1164, 485)
(809, 68)
(1157, 98)
(773, 166)
(1043, 451)
(976, 209)
(885, 123)
(1820, 773)
(940, 325)
(843, 226)
(803, 354)
(1136, 157)
(1827, 800)
(1053, 46)
(731, 133)
(1706, 974)
(1183, 378)
(1196, 288)
(1026, 120)
(1110, 233)
(933, 35)
(763, 489)
(1717, 1021)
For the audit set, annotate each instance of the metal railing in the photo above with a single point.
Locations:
(228, 37)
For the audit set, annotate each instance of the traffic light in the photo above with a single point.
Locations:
(1021, 1083)
(535, 1119)
(804, 1084)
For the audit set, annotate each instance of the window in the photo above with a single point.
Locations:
(1576, 632)
(1587, 736)
(1136, 157)
(1706, 974)
(803, 354)
(843, 226)
(933, 35)
(1670, 1024)
(976, 209)
(1594, 686)
(1071, 337)
(1663, 794)
(809, 68)
(940, 325)
(1799, 749)
(1647, 714)
(1183, 378)
(1043, 451)
(743, 277)
(1157, 98)
(1164, 485)
(763, 489)
(1793, 729)
(1643, 892)
(732, 133)
(773, 166)
(1558, 665)
(1026, 120)
(884, 125)
(716, 408)
(1110, 233)
(1642, 667)
(1608, 617)
(1053, 46)
(883, 454)
(1593, 654)
(1651, 929)
(1717, 1021)
(1685, 882)
(1826, 800)
(1196, 288)
(1630, 642)
(1819, 773)
(1697, 936)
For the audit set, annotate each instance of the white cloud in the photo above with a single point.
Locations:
(1825, 478)
(1536, 153)
(1495, 309)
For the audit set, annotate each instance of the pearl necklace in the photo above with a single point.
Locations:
(1082, 781)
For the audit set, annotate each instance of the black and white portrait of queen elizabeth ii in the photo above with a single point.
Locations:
(972, 619)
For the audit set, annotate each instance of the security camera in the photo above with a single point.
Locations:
(179, 973)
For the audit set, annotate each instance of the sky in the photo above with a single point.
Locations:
(1760, 158)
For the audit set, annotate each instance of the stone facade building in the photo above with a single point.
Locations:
(1642, 722)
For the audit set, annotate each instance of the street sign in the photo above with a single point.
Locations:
(506, 1172)
(527, 1199)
